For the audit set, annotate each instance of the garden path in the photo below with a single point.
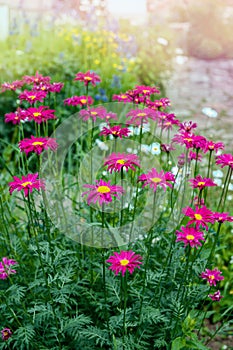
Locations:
(196, 84)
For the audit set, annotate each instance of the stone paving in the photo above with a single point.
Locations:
(196, 84)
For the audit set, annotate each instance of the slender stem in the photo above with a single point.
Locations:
(224, 187)
(124, 283)
(214, 244)
(122, 197)
(208, 173)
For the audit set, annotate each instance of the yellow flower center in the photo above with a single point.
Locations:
(141, 114)
(103, 189)
(201, 183)
(190, 237)
(37, 143)
(16, 118)
(124, 262)
(188, 139)
(87, 78)
(26, 183)
(32, 97)
(37, 114)
(145, 91)
(43, 88)
(211, 147)
(156, 179)
(211, 277)
(83, 100)
(121, 161)
(124, 96)
(168, 123)
(94, 113)
(198, 216)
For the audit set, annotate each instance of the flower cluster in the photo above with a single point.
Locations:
(5, 268)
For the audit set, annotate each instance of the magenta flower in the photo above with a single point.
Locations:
(139, 116)
(212, 276)
(222, 217)
(125, 260)
(201, 182)
(191, 236)
(116, 131)
(37, 144)
(118, 161)
(145, 90)
(27, 184)
(17, 84)
(40, 114)
(54, 87)
(88, 77)
(190, 140)
(93, 113)
(187, 126)
(32, 96)
(167, 122)
(121, 98)
(16, 117)
(213, 146)
(216, 296)
(162, 103)
(155, 179)
(5, 268)
(79, 100)
(225, 160)
(102, 192)
(199, 216)
(6, 333)
(36, 79)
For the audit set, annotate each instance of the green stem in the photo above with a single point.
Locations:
(224, 187)
(125, 287)
(208, 173)
(214, 244)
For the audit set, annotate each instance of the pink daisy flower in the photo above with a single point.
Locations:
(79, 100)
(16, 117)
(222, 217)
(118, 161)
(190, 140)
(166, 121)
(54, 87)
(123, 261)
(93, 113)
(6, 333)
(37, 144)
(17, 84)
(158, 104)
(201, 182)
(116, 131)
(212, 276)
(187, 126)
(216, 296)
(165, 147)
(121, 98)
(32, 96)
(40, 114)
(145, 90)
(190, 236)
(225, 160)
(140, 116)
(88, 77)
(102, 192)
(213, 146)
(155, 179)
(36, 79)
(5, 268)
(199, 216)
(27, 183)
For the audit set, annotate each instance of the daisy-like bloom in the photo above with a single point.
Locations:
(139, 116)
(17, 84)
(6, 333)
(118, 161)
(125, 260)
(213, 146)
(88, 77)
(201, 182)
(190, 236)
(37, 144)
(154, 179)
(116, 131)
(36, 79)
(225, 160)
(40, 114)
(167, 122)
(54, 87)
(27, 183)
(158, 104)
(121, 98)
(5, 268)
(93, 113)
(222, 217)
(216, 296)
(16, 117)
(32, 96)
(79, 100)
(187, 126)
(190, 140)
(102, 192)
(110, 115)
(155, 148)
(145, 90)
(212, 276)
(169, 176)
(199, 216)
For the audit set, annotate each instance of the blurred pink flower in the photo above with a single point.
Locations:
(88, 77)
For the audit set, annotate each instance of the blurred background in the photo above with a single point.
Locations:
(183, 46)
